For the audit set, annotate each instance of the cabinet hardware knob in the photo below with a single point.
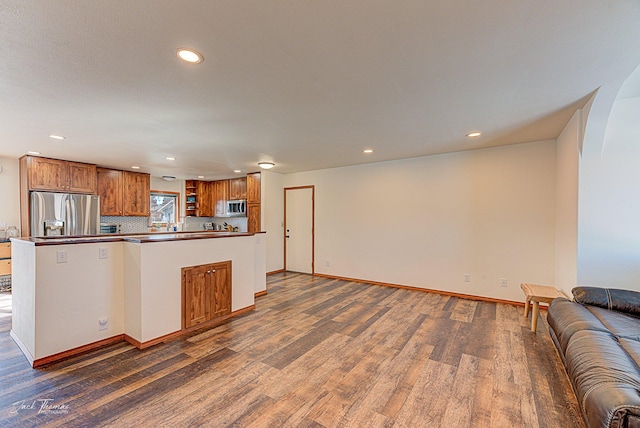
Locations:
(213, 271)
(208, 271)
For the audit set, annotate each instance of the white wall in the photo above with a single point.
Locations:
(609, 225)
(425, 222)
(566, 233)
(10, 192)
(272, 212)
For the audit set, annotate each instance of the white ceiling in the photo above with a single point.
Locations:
(307, 84)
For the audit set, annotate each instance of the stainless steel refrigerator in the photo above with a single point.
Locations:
(64, 214)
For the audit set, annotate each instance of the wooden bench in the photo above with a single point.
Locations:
(537, 294)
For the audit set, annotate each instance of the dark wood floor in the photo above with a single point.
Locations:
(316, 352)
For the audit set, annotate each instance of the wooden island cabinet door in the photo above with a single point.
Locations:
(221, 289)
(196, 295)
(206, 293)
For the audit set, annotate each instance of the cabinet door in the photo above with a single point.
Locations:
(110, 191)
(47, 174)
(137, 194)
(82, 177)
(205, 198)
(238, 188)
(253, 218)
(253, 188)
(5, 267)
(221, 289)
(196, 295)
(221, 192)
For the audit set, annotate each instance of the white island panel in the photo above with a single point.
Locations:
(160, 276)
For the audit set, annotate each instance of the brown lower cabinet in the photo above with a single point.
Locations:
(206, 293)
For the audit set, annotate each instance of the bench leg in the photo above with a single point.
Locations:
(526, 307)
(534, 316)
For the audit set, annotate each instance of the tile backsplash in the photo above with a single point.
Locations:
(141, 224)
(197, 223)
(128, 224)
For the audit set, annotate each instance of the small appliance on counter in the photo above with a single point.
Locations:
(110, 228)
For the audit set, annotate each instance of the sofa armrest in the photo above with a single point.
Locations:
(625, 301)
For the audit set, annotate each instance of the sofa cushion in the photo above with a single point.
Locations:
(605, 378)
(566, 318)
(619, 324)
(625, 301)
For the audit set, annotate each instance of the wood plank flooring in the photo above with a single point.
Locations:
(316, 352)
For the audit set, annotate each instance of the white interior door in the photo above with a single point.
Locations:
(299, 229)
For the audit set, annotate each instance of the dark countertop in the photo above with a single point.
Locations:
(134, 238)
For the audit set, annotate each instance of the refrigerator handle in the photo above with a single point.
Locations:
(69, 216)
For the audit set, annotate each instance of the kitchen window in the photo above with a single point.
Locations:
(165, 208)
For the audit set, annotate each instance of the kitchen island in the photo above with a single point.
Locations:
(72, 294)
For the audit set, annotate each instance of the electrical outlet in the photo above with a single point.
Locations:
(61, 256)
(103, 253)
(467, 277)
(103, 323)
(503, 282)
(327, 263)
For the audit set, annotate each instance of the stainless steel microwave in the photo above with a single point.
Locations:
(236, 208)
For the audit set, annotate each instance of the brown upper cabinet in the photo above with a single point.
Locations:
(56, 175)
(220, 196)
(204, 192)
(110, 189)
(253, 188)
(124, 193)
(238, 188)
(137, 194)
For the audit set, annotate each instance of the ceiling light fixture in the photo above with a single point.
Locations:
(367, 151)
(168, 177)
(201, 176)
(473, 134)
(170, 158)
(57, 137)
(237, 171)
(33, 153)
(189, 55)
(135, 167)
(266, 165)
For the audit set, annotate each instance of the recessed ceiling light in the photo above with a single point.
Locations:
(135, 167)
(367, 151)
(33, 153)
(189, 55)
(57, 137)
(237, 171)
(170, 158)
(266, 165)
(474, 134)
(201, 176)
(168, 177)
